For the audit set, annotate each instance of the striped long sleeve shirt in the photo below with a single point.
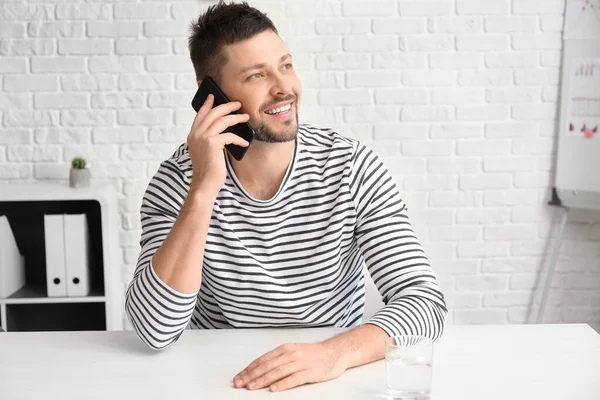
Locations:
(296, 260)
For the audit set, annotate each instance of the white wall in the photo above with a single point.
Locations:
(458, 97)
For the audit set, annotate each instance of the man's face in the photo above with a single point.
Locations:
(259, 73)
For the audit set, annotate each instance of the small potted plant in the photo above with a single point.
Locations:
(79, 176)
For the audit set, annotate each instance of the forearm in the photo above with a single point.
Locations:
(359, 346)
(178, 261)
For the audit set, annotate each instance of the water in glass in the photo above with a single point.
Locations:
(409, 377)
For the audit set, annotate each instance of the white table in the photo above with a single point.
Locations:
(471, 362)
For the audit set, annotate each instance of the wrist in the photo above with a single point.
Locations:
(342, 357)
(358, 346)
(201, 192)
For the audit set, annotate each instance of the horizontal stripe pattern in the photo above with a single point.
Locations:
(296, 260)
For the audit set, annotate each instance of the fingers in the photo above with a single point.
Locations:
(221, 124)
(206, 107)
(265, 357)
(289, 366)
(231, 138)
(251, 374)
(275, 374)
(293, 380)
(227, 108)
(241, 379)
(218, 112)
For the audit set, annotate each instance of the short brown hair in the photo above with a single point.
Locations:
(222, 24)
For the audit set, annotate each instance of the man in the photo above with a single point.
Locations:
(278, 239)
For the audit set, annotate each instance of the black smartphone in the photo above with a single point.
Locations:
(243, 130)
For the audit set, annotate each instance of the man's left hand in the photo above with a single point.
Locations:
(291, 365)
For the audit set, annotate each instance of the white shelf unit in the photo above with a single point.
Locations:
(30, 309)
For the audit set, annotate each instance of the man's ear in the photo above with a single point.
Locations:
(199, 82)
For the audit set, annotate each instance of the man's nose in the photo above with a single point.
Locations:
(281, 86)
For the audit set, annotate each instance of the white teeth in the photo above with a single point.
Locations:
(279, 109)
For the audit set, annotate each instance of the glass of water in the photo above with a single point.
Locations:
(408, 367)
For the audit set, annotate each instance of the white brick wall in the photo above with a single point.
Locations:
(457, 96)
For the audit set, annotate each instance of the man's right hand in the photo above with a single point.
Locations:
(206, 144)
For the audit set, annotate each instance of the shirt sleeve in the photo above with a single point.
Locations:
(414, 303)
(158, 313)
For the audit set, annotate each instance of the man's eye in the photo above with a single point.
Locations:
(288, 66)
(255, 76)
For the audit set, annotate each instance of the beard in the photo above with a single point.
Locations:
(263, 133)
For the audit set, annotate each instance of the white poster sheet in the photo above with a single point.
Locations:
(583, 103)
(582, 19)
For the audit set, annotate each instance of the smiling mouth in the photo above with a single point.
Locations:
(279, 110)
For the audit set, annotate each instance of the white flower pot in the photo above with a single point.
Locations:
(79, 178)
